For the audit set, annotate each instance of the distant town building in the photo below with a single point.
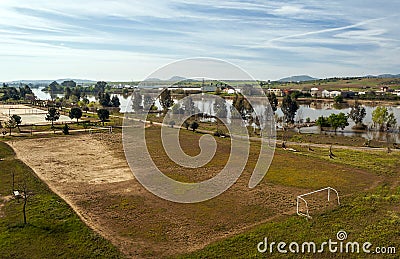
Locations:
(316, 92)
(276, 91)
(334, 94)
(209, 88)
(385, 89)
(325, 94)
(229, 90)
(348, 94)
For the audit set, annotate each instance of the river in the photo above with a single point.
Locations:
(312, 111)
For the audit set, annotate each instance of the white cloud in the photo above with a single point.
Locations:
(299, 34)
(289, 10)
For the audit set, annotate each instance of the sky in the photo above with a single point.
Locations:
(124, 40)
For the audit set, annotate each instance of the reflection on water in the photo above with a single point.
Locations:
(312, 111)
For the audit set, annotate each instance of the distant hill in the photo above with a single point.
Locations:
(182, 79)
(177, 78)
(46, 82)
(78, 81)
(153, 79)
(301, 78)
(389, 76)
(384, 76)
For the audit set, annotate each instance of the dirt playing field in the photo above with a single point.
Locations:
(28, 114)
(91, 174)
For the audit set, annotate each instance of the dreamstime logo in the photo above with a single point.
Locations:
(258, 113)
(332, 246)
(341, 235)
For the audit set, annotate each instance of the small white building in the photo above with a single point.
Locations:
(230, 91)
(325, 94)
(315, 92)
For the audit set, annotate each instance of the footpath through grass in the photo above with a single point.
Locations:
(53, 230)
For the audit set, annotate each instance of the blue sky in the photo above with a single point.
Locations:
(128, 40)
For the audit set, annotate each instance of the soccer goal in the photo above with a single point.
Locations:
(301, 198)
(99, 129)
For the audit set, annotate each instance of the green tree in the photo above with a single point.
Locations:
(338, 121)
(194, 125)
(67, 93)
(25, 91)
(76, 92)
(383, 119)
(137, 101)
(103, 115)
(104, 99)
(148, 101)
(273, 101)
(322, 122)
(357, 114)
(69, 83)
(220, 109)
(100, 87)
(115, 101)
(237, 103)
(176, 109)
(289, 108)
(11, 124)
(241, 105)
(18, 121)
(52, 115)
(4, 131)
(10, 93)
(75, 113)
(188, 106)
(338, 99)
(53, 87)
(166, 100)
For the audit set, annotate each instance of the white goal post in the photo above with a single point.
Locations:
(93, 130)
(300, 198)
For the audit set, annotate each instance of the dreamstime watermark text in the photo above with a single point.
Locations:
(338, 245)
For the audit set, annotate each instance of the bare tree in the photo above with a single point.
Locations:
(25, 195)
(331, 155)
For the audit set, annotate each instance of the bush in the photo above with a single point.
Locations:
(219, 133)
(65, 129)
(194, 125)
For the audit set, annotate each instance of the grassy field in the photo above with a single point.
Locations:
(230, 225)
(370, 215)
(53, 230)
(367, 217)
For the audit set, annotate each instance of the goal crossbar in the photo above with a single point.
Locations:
(300, 198)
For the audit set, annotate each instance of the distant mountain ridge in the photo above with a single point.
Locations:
(297, 78)
(36, 82)
(387, 76)
(300, 78)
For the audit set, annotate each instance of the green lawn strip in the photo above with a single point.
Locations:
(378, 162)
(53, 230)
